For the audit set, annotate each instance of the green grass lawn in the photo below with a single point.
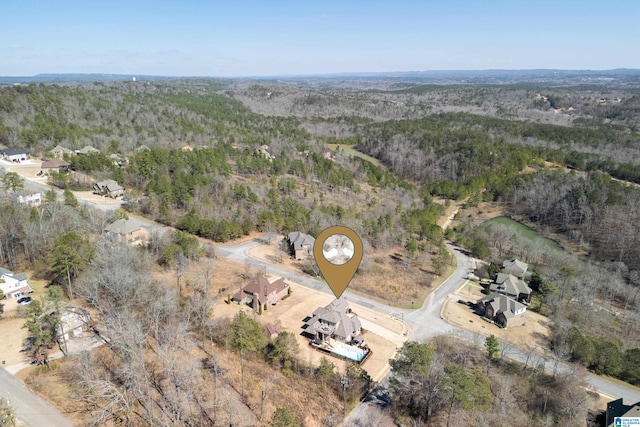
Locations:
(39, 287)
(524, 231)
(350, 151)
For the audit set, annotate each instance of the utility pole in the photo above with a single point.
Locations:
(242, 375)
(345, 383)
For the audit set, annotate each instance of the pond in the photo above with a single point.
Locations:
(524, 231)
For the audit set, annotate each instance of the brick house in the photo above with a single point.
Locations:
(503, 310)
(259, 292)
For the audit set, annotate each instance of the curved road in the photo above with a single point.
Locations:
(424, 322)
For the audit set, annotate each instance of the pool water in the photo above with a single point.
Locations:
(350, 353)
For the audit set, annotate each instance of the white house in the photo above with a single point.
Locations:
(14, 285)
(34, 199)
(15, 155)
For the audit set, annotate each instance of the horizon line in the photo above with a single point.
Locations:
(328, 74)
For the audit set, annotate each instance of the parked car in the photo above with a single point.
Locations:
(25, 300)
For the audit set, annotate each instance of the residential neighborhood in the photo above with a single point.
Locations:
(157, 260)
(508, 295)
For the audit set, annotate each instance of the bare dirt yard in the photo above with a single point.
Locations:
(533, 335)
(12, 335)
(386, 277)
(289, 315)
(11, 338)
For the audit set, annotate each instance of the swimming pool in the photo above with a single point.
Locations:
(350, 353)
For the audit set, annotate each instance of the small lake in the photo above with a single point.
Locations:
(524, 231)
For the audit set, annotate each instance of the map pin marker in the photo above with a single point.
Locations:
(338, 252)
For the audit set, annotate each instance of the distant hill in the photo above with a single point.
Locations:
(494, 76)
(589, 77)
(78, 78)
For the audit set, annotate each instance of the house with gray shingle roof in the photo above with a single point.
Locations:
(503, 310)
(54, 165)
(15, 155)
(516, 267)
(127, 232)
(59, 151)
(333, 322)
(108, 188)
(511, 286)
(617, 410)
(87, 149)
(300, 245)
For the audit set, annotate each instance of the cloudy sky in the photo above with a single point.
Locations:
(272, 37)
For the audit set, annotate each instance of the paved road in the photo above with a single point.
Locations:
(424, 322)
(29, 408)
(39, 185)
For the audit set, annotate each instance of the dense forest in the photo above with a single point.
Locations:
(220, 159)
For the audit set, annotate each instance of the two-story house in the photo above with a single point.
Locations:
(333, 322)
(503, 310)
(14, 285)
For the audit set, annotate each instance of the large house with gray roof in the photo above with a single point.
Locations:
(300, 245)
(108, 188)
(503, 310)
(59, 151)
(334, 321)
(511, 286)
(127, 232)
(54, 165)
(620, 414)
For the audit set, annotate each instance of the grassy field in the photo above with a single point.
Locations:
(523, 231)
(350, 151)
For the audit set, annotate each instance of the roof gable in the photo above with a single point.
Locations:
(503, 304)
(510, 284)
(13, 151)
(333, 318)
(261, 287)
(54, 163)
(515, 264)
(300, 240)
(122, 227)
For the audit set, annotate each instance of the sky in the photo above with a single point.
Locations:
(236, 38)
